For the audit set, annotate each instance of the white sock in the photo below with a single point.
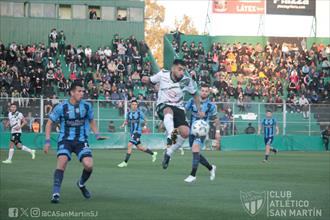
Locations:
(169, 124)
(11, 153)
(179, 142)
(26, 149)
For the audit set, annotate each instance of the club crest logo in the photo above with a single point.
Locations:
(253, 202)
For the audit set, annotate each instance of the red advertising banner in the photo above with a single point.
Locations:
(238, 6)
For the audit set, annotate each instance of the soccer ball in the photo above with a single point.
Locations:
(200, 128)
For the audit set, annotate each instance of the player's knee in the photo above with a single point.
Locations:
(184, 132)
(88, 163)
(195, 148)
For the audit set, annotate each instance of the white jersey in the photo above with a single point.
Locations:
(171, 92)
(15, 120)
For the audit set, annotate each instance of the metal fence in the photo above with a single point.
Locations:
(235, 118)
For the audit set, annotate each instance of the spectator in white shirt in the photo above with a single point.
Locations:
(107, 52)
(303, 103)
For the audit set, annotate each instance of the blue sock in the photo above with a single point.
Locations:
(195, 163)
(85, 176)
(266, 157)
(58, 177)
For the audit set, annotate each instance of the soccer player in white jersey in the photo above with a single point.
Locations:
(170, 107)
(16, 122)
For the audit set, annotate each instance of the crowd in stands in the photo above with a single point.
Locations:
(241, 72)
(112, 72)
(246, 72)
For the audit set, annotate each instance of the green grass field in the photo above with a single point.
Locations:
(144, 190)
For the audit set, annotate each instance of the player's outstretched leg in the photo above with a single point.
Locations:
(87, 171)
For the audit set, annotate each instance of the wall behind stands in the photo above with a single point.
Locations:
(31, 29)
(94, 33)
(233, 39)
(157, 141)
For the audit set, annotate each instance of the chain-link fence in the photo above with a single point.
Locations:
(235, 117)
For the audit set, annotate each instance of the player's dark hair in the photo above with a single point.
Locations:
(12, 103)
(205, 85)
(74, 85)
(268, 110)
(134, 100)
(179, 62)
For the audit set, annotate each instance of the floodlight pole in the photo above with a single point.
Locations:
(207, 19)
(314, 27)
(261, 25)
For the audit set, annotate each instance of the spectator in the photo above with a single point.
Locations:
(30, 119)
(111, 127)
(61, 41)
(325, 137)
(53, 39)
(36, 126)
(145, 129)
(92, 14)
(250, 129)
(304, 106)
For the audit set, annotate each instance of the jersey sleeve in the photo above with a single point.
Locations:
(156, 78)
(56, 113)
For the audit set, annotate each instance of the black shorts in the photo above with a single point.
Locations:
(179, 115)
(135, 139)
(81, 149)
(269, 140)
(16, 138)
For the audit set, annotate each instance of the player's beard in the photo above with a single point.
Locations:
(178, 79)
